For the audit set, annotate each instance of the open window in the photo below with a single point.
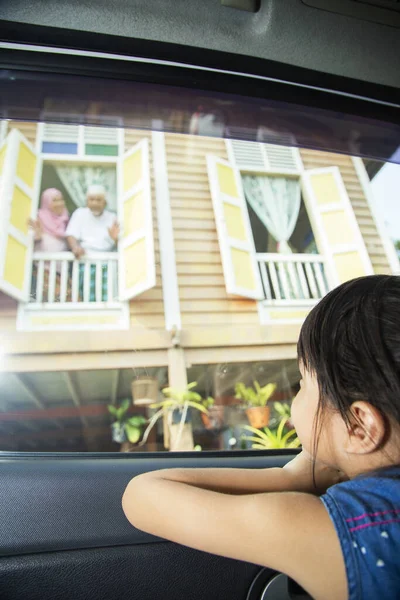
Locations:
(20, 172)
(302, 227)
(57, 288)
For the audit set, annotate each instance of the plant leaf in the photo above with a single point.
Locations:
(192, 385)
(280, 428)
(136, 421)
(262, 434)
(199, 407)
(125, 404)
(288, 435)
(132, 432)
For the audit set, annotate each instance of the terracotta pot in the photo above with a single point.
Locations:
(214, 419)
(185, 443)
(258, 416)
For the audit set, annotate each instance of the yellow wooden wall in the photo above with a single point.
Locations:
(203, 298)
(313, 159)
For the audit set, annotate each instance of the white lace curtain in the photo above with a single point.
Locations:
(276, 202)
(77, 179)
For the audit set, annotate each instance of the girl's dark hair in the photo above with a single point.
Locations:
(351, 342)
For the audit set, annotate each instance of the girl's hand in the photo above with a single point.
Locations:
(301, 468)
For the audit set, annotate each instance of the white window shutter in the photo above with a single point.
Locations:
(20, 174)
(247, 155)
(67, 134)
(107, 136)
(241, 272)
(137, 272)
(280, 158)
(259, 157)
(334, 225)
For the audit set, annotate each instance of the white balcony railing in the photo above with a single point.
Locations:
(293, 278)
(58, 279)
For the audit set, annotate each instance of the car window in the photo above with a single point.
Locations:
(156, 266)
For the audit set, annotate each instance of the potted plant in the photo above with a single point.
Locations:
(267, 439)
(214, 418)
(125, 429)
(175, 409)
(256, 398)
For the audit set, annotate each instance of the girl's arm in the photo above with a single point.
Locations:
(244, 514)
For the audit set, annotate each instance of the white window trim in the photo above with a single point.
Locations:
(267, 170)
(172, 311)
(25, 310)
(80, 157)
(388, 245)
(3, 130)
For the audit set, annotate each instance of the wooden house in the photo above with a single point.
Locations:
(224, 248)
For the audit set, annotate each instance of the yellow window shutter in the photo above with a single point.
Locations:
(334, 224)
(241, 272)
(137, 272)
(20, 173)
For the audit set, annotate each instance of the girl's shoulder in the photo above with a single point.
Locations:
(371, 491)
(366, 515)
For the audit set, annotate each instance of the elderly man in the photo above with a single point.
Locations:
(91, 230)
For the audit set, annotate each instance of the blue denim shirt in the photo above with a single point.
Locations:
(366, 515)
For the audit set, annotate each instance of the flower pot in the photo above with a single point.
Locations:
(144, 391)
(185, 443)
(118, 433)
(258, 416)
(177, 416)
(215, 417)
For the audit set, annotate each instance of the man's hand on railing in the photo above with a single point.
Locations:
(78, 251)
(75, 246)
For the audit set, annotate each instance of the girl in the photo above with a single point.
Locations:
(49, 230)
(330, 518)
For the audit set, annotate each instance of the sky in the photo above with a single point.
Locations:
(386, 192)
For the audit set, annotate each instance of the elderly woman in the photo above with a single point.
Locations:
(51, 224)
(50, 236)
(93, 229)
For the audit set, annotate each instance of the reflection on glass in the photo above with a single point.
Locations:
(153, 285)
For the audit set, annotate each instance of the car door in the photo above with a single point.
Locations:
(211, 309)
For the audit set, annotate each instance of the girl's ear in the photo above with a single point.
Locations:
(367, 429)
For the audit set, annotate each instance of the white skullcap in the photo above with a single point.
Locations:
(96, 190)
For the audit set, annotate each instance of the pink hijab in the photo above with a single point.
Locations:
(54, 225)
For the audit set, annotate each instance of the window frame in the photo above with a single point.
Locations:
(265, 306)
